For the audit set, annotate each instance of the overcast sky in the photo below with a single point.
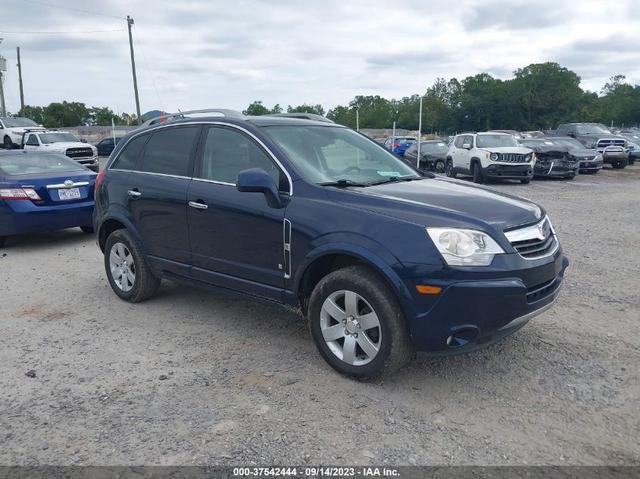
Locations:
(223, 53)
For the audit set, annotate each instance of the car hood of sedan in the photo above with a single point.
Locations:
(436, 201)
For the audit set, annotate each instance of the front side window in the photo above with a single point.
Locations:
(330, 154)
(168, 151)
(228, 152)
(496, 141)
(458, 141)
(128, 157)
(33, 140)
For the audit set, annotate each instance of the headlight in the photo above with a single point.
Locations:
(494, 156)
(528, 157)
(460, 247)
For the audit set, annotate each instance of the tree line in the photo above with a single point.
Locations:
(539, 96)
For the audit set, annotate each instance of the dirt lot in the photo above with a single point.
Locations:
(192, 377)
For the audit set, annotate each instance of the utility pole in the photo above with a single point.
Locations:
(133, 70)
(20, 80)
(3, 68)
(419, 133)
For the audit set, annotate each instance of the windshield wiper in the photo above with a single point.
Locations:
(395, 179)
(343, 183)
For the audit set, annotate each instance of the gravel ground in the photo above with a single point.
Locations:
(193, 377)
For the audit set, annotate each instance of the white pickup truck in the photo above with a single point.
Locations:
(61, 142)
(12, 129)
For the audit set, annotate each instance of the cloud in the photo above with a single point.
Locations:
(216, 53)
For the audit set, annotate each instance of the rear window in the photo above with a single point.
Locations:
(29, 164)
(168, 151)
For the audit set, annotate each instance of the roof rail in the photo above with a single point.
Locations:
(169, 117)
(303, 116)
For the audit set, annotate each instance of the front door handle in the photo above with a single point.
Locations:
(199, 205)
(134, 193)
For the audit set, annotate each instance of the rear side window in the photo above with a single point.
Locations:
(168, 151)
(128, 157)
(228, 152)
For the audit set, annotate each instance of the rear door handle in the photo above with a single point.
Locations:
(199, 205)
(134, 193)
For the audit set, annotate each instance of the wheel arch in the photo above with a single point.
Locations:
(330, 259)
(112, 223)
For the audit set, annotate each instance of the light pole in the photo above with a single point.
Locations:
(20, 79)
(419, 133)
(3, 68)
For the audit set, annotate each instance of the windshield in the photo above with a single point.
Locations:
(434, 147)
(595, 129)
(34, 164)
(47, 138)
(17, 122)
(330, 154)
(569, 142)
(493, 141)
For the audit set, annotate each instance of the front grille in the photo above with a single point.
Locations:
(79, 152)
(543, 290)
(512, 158)
(533, 241)
(610, 142)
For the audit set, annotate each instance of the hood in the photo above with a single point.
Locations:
(550, 149)
(583, 152)
(521, 150)
(63, 145)
(446, 202)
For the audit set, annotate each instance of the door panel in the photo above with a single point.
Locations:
(237, 240)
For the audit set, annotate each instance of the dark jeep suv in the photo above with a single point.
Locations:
(381, 259)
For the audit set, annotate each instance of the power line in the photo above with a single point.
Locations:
(61, 32)
(62, 7)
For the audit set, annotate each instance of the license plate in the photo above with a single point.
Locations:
(69, 194)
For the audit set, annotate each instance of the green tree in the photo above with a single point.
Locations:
(256, 108)
(304, 108)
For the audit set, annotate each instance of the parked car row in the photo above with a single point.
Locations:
(25, 134)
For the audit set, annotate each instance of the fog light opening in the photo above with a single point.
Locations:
(462, 337)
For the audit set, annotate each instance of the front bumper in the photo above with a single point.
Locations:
(92, 163)
(471, 313)
(590, 165)
(613, 158)
(555, 169)
(508, 172)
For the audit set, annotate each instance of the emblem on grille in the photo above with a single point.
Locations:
(68, 183)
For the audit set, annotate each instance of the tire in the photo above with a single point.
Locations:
(7, 143)
(381, 349)
(439, 166)
(137, 282)
(525, 181)
(449, 171)
(631, 161)
(3, 240)
(88, 230)
(476, 170)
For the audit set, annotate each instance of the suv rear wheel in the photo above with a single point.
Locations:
(127, 270)
(357, 324)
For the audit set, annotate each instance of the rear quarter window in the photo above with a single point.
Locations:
(128, 157)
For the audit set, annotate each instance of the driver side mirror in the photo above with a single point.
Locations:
(256, 180)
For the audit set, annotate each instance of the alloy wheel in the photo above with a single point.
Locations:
(350, 328)
(122, 266)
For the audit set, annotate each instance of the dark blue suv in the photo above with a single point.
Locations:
(381, 259)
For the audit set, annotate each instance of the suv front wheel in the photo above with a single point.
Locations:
(357, 324)
(448, 169)
(127, 270)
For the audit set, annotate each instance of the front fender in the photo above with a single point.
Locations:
(368, 252)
